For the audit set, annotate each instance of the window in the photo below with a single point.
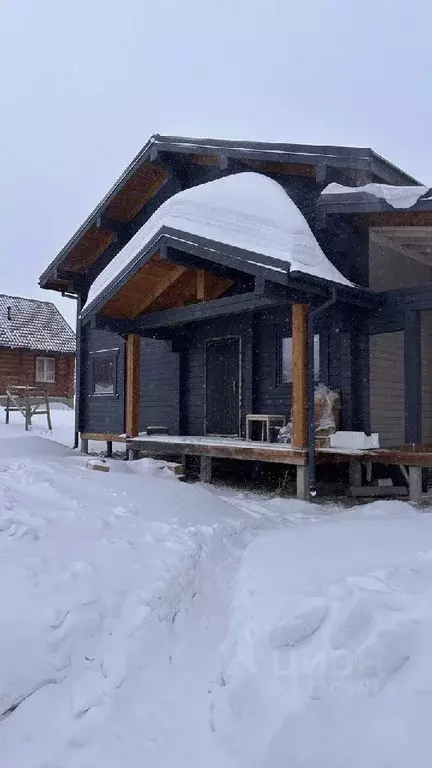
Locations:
(286, 363)
(45, 369)
(104, 373)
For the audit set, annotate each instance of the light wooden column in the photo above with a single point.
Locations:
(132, 384)
(202, 284)
(300, 375)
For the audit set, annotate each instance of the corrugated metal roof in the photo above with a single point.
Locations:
(32, 324)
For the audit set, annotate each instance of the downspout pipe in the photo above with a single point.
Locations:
(311, 387)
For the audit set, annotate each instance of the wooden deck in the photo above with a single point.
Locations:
(218, 448)
(248, 450)
(414, 457)
(409, 456)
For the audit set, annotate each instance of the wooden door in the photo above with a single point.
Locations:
(222, 387)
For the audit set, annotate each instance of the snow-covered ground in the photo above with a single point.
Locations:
(150, 622)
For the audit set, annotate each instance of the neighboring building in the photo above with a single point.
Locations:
(196, 273)
(37, 347)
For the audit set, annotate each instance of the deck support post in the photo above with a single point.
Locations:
(303, 482)
(300, 375)
(355, 473)
(109, 449)
(205, 469)
(84, 446)
(132, 384)
(415, 483)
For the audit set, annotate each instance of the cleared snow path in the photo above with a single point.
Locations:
(115, 595)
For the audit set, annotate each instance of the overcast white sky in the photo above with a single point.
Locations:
(84, 83)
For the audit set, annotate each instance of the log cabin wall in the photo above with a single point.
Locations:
(172, 373)
(19, 366)
(101, 413)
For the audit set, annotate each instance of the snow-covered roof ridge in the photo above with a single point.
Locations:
(33, 324)
(397, 197)
(245, 210)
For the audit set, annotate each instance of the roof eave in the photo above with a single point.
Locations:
(239, 259)
(335, 156)
(363, 203)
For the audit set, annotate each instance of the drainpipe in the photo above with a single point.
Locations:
(311, 388)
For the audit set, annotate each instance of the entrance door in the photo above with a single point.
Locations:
(223, 386)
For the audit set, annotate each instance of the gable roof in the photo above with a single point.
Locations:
(249, 212)
(35, 325)
(145, 176)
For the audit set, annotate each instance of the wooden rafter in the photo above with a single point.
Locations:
(168, 282)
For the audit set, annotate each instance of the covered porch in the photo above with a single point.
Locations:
(225, 310)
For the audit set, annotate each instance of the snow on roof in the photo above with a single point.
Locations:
(244, 210)
(397, 197)
(32, 324)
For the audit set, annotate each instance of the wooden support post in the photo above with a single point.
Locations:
(205, 469)
(27, 411)
(300, 375)
(84, 446)
(303, 483)
(48, 413)
(415, 483)
(202, 285)
(109, 449)
(355, 473)
(132, 385)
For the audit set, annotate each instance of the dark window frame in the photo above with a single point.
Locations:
(112, 356)
(323, 372)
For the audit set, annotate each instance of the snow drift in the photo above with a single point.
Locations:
(327, 660)
(244, 210)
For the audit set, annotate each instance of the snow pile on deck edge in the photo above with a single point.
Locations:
(244, 210)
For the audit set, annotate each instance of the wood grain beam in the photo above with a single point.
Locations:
(204, 280)
(132, 384)
(170, 280)
(300, 375)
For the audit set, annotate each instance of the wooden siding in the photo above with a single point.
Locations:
(426, 376)
(172, 383)
(19, 366)
(387, 397)
(159, 374)
(389, 270)
(102, 413)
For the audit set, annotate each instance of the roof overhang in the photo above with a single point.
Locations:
(407, 231)
(148, 175)
(375, 209)
(199, 253)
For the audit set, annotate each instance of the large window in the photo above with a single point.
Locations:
(286, 360)
(104, 372)
(45, 370)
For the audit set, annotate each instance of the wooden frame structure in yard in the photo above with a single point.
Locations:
(27, 401)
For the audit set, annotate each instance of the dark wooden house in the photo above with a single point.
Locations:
(37, 347)
(219, 279)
